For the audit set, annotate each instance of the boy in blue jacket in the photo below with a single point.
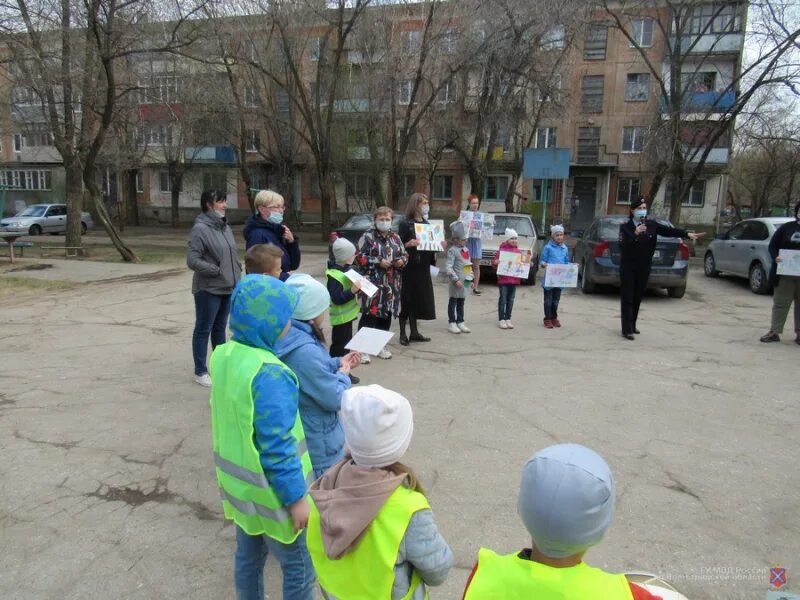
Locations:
(555, 252)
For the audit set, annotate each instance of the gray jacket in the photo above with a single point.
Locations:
(456, 263)
(212, 255)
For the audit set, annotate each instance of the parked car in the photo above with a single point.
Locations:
(356, 225)
(744, 251)
(598, 256)
(44, 218)
(528, 237)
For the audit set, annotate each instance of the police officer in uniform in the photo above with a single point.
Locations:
(637, 244)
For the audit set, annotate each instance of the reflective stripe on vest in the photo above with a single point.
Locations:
(340, 314)
(512, 578)
(247, 497)
(367, 572)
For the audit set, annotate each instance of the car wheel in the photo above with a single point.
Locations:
(758, 279)
(710, 265)
(83, 228)
(587, 285)
(676, 292)
(35, 230)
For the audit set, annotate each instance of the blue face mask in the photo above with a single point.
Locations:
(276, 217)
(640, 213)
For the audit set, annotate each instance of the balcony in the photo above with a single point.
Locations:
(210, 154)
(351, 105)
(710, 43)
(717, 156)
(704, 102)
(363, 153)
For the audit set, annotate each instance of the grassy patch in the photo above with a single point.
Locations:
(147, 254)
(24, 286)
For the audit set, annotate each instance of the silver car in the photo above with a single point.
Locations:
(43, 218)
(744, 251)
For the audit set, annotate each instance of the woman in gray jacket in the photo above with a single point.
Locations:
(213, 258)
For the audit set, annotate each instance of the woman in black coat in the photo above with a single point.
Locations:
(416, 297)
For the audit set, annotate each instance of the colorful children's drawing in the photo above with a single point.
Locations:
(478, 224)
(513, 264)
(561, 276)
(430, 235)
(790, 262)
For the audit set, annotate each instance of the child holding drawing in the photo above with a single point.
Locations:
(555, 252)
(459, 271)
(344, 308)
(508, 285)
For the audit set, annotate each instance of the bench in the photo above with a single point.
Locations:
(21, 247)
(68, 250)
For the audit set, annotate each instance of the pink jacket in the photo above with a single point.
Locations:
(505, 279)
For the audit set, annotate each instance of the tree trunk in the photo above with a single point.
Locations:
(327, 199)
(132, 203)
(105, 220)
(74, 192)
(511, 192)
(176, 181)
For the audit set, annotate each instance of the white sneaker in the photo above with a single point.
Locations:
(463, 327)
(384, 354)
(204, 379)
(503, 325)
(509, 324)
(453, 328)
(365, 359)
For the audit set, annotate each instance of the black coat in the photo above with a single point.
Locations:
(638, 250)
(416, 295)
(786, 237)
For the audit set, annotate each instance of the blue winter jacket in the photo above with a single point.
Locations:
(321, 388)
(554, 254)
(259, 231)
(260, 308)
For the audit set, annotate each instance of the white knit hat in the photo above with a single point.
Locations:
(511, 233)
(314, 297)
(342, 250)
(554, 229)
(378, 425)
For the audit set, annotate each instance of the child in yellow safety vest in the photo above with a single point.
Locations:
(344, 307)
(566, 502)
(371, 533)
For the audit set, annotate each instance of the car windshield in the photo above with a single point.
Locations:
(609, 228)
(37, 210)
(522, 225)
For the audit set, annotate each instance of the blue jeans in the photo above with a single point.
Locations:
(551, 298)
(210, 317)
(455, 310)
(506, 302)
(251, 554)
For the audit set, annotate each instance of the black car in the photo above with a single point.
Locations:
(597, 254)
(356, 225)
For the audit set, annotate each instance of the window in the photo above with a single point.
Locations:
(551, 90)
(34, 179)
(495, 188)
(158, 89)
(38, 136)
(642, 33)
(19, 142)
(24, 96)
(546, 137)
(696, 197)
(215, 180)
(252, 141)
(153, 135)
(449, 41)
(251, 97)
(139, 182)
(553, 38)
(448, 93)
(164, 182)
(627, 190)
(755, 231)
(442, 187)
(710, 18)
(359, 187)
(595, 42)
(404, 95)
(633, 139)
(637, 87)
(410, 42)
(315, 45)
(408, 185)
(701, 81)
(588, 145)
(592, 93)
(411, 136)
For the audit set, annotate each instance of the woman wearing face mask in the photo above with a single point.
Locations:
(212, 256)
(267, 226)
(787, 287)
(381, 257)
(637, 244)
(417, 300)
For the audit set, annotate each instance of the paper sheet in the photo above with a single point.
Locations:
(562, 276)
(369, 340)
(790, 262)
(434, 271)
(367, 286)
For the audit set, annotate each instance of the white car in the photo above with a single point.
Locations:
(43, 218)
(528, 238)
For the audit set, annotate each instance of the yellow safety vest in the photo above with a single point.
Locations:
(247, 498)
(509, 577)
(367, 572)
(342, 313)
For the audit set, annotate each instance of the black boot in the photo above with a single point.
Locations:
(403, 336)
(416, 336)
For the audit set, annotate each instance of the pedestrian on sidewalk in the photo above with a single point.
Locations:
(261, 463)
(787, 287)
(371, 532)
(507, 284)
(212, 256)
(555, 252)
(459, 271)
(475, 247)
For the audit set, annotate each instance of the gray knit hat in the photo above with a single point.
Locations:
(566, 499)
(458, 230)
